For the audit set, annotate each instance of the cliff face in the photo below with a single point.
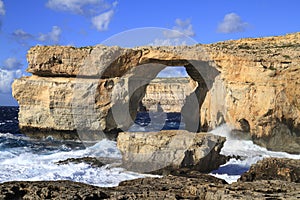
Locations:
(260, 89)
(251, 84)
(168, 94)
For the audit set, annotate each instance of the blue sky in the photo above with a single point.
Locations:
(89, 22)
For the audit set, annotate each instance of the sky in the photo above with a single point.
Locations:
(27, 23)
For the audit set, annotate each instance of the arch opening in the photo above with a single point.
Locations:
(160, 108)
(200, 74)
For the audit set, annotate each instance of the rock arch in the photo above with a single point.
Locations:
(257, 78)
(138, 68)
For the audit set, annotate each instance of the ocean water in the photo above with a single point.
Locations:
(23, 158)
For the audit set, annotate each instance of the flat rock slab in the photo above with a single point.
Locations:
(170, 187)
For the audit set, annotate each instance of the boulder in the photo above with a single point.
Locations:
(165, 151)
(274, 169)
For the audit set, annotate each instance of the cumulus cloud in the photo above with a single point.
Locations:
(12, 63)
(6, 79)
(21, 36)
(182, 28)
(99, 11)
(2, 9)
(173, 72)
(81, 7)
(8, 73)
(232, 23)
(52, 36)
(102, 21)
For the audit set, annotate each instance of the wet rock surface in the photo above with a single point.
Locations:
(49, 190)
(92, 161)
(169, 187)
(283, 169)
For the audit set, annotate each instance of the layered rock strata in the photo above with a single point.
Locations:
(168, 150)
(251, 84)
(167, 94)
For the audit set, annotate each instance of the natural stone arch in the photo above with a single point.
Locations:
(138, 77)
(258, 82)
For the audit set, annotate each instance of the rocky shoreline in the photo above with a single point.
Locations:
(96, 92)
(183, 184)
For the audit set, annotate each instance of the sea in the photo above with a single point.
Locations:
(26, 159)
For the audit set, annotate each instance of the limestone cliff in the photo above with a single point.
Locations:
(168, 93)
(251, 84)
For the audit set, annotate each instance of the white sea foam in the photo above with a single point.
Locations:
(21, 164)
(247, 150)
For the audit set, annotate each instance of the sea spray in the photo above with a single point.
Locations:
(245, 152)
(21, 163)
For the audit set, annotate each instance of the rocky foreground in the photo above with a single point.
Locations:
(273, 182)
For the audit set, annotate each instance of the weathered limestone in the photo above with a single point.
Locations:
(168, 94)
(50, 104)
(170, 150)
(251, 84)
(260, 85)
(283, 169)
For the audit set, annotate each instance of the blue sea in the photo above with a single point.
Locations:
(27, 159)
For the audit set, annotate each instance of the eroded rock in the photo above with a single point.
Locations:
(283, 169)
(250, 84)
(168, 93)
(168, 150)
(204, 187)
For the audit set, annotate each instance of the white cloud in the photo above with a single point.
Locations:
(12, 63)
(21, 36)
(6, 79)
(19, 33)
(53, 36)
(181, 29)
(232, 23)
(2, 9)
(81, 7)
(99, 11)
(102, 21)
(168, 42)
(173, 72)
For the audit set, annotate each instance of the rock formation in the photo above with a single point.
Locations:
(251, 84)
(168, 93)
(274, 169)
(169, 150)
